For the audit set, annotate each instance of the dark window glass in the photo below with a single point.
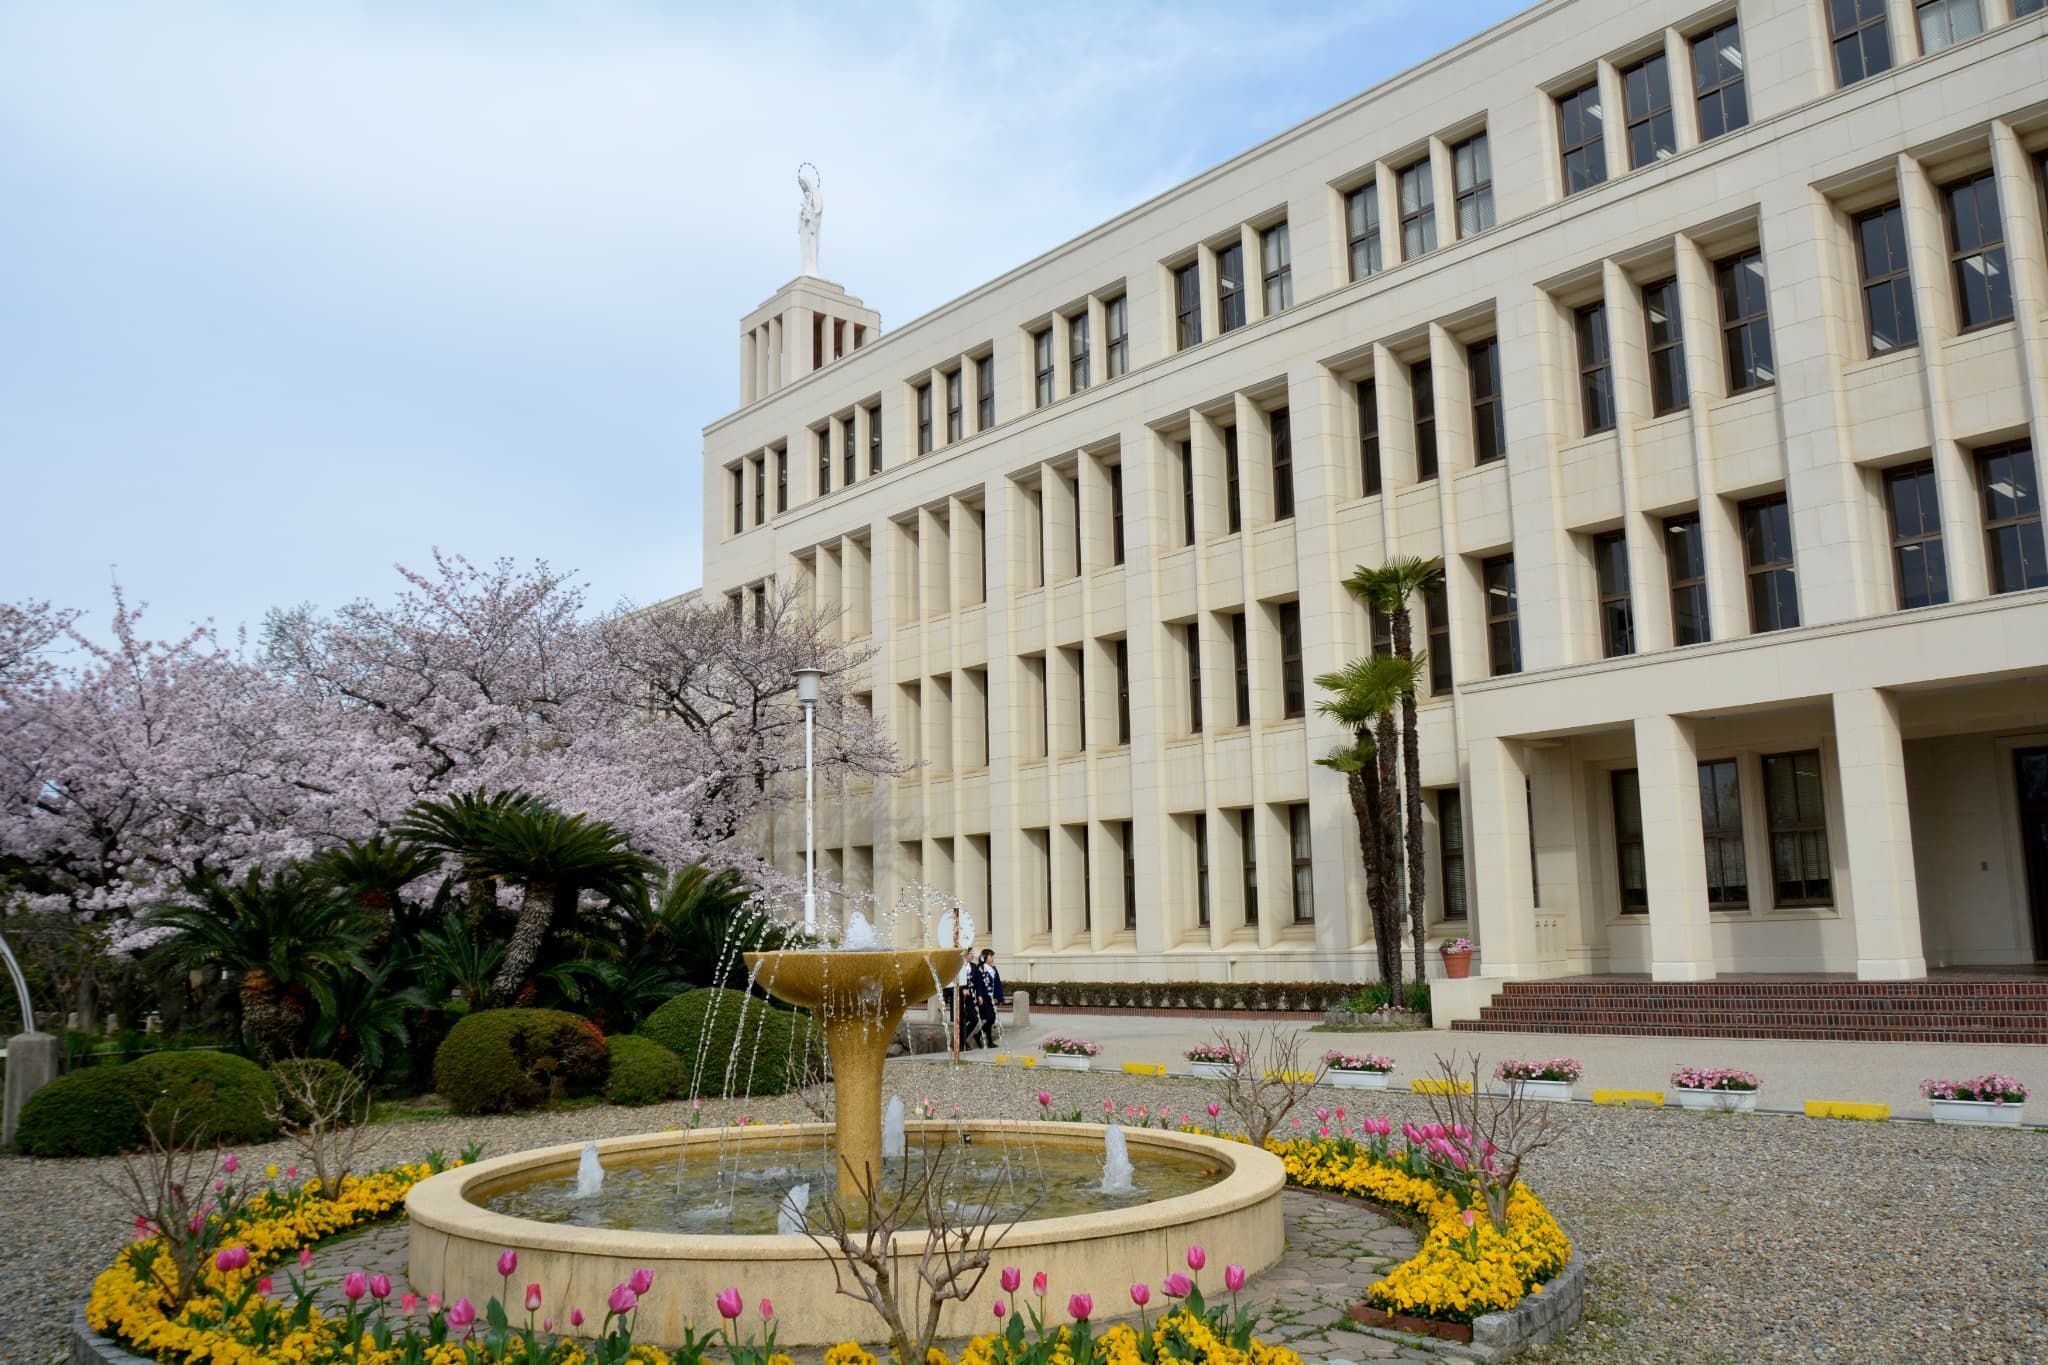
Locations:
(1489, 421)
(1382, 632)
(1128, 841)
(1944, 23)
(1717, 81)
(1301, 843)
(1079, 658)
(1861, 39)
(1917, 556)
(2022, 8)
(1799, 829)
(1241, 658)
(984, 393)
(1368, 438)
(1745, 321)
(1233, 506)
(1248, 861)
(1767, 555)
(760, 492)
(1187, 492)
(1685, 553)
(1596, 368)
(1074, 501)
(1277, 261)
(1187, 305)
(782, 481)
(1116, 317)
(1580, 137)
(1193, 637)
(1436, 610)
(1123, 691)
(924, 419)
(1283, 465)
(1424, 391)
(1201, 869)
(1977, 252)
(1617, 617)
(1418, 210)
(849, 464)
(1721, 826)
(1503, 622)
(875, 439)
(1362, 224)
(956, 406)
(1666, 337)
(1646, 91)
(1472, 175)
(1116, 513)
(1087, 876)
(739, 501)
(1888, 317)
(2012, 518)
(1230, 287)
(1450, 845)
(1292, 699)
(1077, 353)
(1628, 842)
(825, 461)
(1041, 365)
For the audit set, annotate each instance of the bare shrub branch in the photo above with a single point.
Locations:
(1267, 1079)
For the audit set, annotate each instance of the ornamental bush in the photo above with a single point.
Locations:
(212, 1096)
(643, 1071)
(327, 1082)
(495, 1061)
(777, 1050)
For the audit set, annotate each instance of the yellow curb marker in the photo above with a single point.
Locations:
(1144, 1068)
(1001, 1059)
(1304, 1077)
(1028, 1061)
(1847, 1109)
(1624, 1099)
(1424, 1085)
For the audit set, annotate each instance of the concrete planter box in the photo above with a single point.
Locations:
(1215, 1071)
(1536, 1320)
(1541, 1090)
(1724, 1101)
(1060, 1061)
(1976, 1113)
(1357, 1080)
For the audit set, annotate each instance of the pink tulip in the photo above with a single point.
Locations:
(508, 1263)
(623, 1300)
(1233, 1278)
(1038, 1283)
(1177, 1285)
(433, 1303)
(380, 1286)
(730, 1304)
(407, 1302)
(640, 1281)
(305, 1258)
(1214, 1109)
(231, 1258)
(533, 1298)
(575, 1317)
(354, 1285)
(220, 1187)
(194, 1224)
(263, 1286)
(291, 1173)
(1323, 1115)
(1470, 1217)
(461, 1313)
(1141, 1294)
(547, 1324)
(1079, 1306)
(767, 1309)
(1044, 1099)
(1197, 1258)
(1012, 1277)
(231, 1163)
(1340, 1112)
(1001, 1308)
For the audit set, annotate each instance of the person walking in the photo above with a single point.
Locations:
(988, 993)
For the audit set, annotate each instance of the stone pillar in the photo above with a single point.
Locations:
(1674, 851)
(1506, 899)
(31, 1065)
(1878, 837)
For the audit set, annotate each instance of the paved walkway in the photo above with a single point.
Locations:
(1792, 1072)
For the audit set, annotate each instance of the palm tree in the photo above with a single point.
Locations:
(554, 857)
(1363, 697)
(1390, 588)
(375, 872)
(286, 935)
(461, 826)
(364, 1015)
(455, 961)
(1362, 779)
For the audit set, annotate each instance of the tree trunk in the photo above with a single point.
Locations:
(536, 914)
(1411, 775)
(1390, 833)
(1363, 786)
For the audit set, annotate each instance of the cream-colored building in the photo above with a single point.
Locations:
(1707, 346)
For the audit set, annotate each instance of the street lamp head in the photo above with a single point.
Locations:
(807, 685)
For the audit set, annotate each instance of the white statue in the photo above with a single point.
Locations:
(811, 216)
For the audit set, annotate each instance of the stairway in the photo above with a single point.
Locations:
(1949, 1009)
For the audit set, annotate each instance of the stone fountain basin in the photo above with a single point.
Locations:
(455, 1243)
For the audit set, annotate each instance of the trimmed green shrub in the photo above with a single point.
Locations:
(1295, 996)
(328, 1082)
(211, 1097)
(781, 1049)
(643, 1071)
(495, 1061)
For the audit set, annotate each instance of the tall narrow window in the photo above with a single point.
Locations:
(1368, 438)
(984, 393)
(1418, 210)
(1450, 852)
(848, 461)
(1596, 368)
(1087, 842)
(875, 439)
(1077, 661)
(1241, 661)
(956, 405)
(1293, 698)
(1793, 799)
(1073, 486)
(1767, 555)
(1382, 627)
(1685, 553)
(1718, 86)
(760, 473)
(825, 461)
(1721, 826)
(1745, 321)
(1187, 305)
(1976, 242)
(1888, 317)
(2012, 518)
(1116, 320)
(1230, 287)
(1193, 638)
(782, 480)
(1503, 621)
(1362, 227)
(1617, 616)
(1128, 842)
(1122, 652)
(1423, 389)
(1041, 365)
(1860, 37)
(1436, 610)
(1248, 861)
(924, 419)
(1187, 492)
(1283, 465)
(1917, 556)
(1646, 91)
(1202, 870)
(739, 500)
(1628, 842)
(1944, 23)
(1233, 507)
(1116, 514)
(1276, 261)
(1472, 176)
(1489, 423)
(1580, 138)
(1041, 699)
(1077, 352)
(1301, 844)
(1666, 337)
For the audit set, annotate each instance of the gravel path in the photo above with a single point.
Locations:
(1733, 1238)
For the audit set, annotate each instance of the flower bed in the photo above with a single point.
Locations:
(1349, 1071)
(1071, 1054)
(1217, 1053)
(1989, 1101)
(1566, 1069)
(1714, 1078)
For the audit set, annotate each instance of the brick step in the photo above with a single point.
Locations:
(1793, 1008)
(1741, 1015)
(1760, 1027)
(1985, 1036)
(1704, 990)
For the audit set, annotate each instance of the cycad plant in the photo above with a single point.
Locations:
(461, 826)
(1363, 696)
(553, 857)
(374, 872)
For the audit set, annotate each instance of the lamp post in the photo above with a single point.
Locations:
(807, 697)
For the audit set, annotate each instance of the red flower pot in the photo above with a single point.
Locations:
(1457, 966)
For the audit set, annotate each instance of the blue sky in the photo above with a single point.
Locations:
(292, 292)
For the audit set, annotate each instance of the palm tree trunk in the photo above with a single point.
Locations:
(1363, 785)
(1411, 775)
(1390, 836)
(536, 913)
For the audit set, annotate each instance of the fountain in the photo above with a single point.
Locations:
(589, 1173)
(789, 1213)
(892, 1129)
(1117, 1170)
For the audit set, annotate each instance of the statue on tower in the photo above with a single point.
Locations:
(811, 216)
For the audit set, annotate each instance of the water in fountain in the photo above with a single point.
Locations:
(892, 1128)
(589, 1173)
(790, 1210)
(860, 934)
(1116, 1162)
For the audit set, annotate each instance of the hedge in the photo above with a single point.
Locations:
(643, 1071)
(213, 1097)
(495, 1061)
(1306, 996)
(782, 1049)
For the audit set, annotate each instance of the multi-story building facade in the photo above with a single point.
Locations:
(1708, 347)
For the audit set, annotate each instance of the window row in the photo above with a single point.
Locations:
(1228, 285)
(1241, 827)
(1859, 31)
(1794, 808)
(1710, 58)
(1411, 188)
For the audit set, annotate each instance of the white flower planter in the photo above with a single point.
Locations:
(1356, 1080)
(1060, 1061)
(1541, 1090)
(1215, 1071)
(1728, 1101)
(1976, 1113)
